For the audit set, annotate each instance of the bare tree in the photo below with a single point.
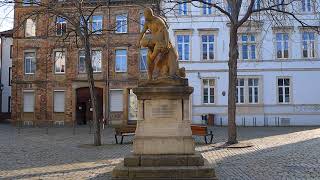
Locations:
(239, 12)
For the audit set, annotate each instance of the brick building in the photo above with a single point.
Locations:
(49, 79)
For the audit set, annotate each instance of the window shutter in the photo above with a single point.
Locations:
(28, 102)
(116, 100)
(58, 101)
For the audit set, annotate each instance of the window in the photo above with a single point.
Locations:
(308, 45)
(208, 91)
(207, 9)
(9, 103)
(183, 8)
(82, 62)
(257, 4)
(121, 26)
(143, 59)
(284, 90)
(96, 60)
(31, 2)
(97, 24)
(61, 25)
(142, 22)
(59, 62)
(116, 100)
(96, 56)
(240, 91)
(253, 86)
(280, 4)
(11, 51)
(58, 101)
(282, 40)
(30, 28)
(121, 60)
(29, 62)
(306, 5)
(183, 42)
(247, 46)
(207, 47)
(10, 76)
(28, 101)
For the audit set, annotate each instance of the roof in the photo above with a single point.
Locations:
(7, 33)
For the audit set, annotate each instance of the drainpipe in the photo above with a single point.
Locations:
(1, 85)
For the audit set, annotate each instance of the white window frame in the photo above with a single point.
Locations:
(209, 87)
(142, 21)
(310, 44)
(283, 42)
(54, 101)
(240, 87)
(249, 44)
(124, 70)
(183, 8)
(183, 43)
(252, 88)
(63, 54)
(61, 26)
(34, 101)
(208, 43)
(206, 10)
(307, 7)
(96, 69)
(143, 60)
(123, 20)
(81, 54)
(110, 94)
(98, 22)
(30, 27)
(31, 60)
(283, 87)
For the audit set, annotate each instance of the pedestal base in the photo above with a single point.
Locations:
(163, 167)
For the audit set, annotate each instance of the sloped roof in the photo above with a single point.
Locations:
(7, 33)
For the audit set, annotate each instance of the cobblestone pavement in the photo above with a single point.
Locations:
(277, 153)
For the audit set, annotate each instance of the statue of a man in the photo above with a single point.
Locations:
(160, 35)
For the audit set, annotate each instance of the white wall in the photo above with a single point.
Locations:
(6, 63)
(304, 109)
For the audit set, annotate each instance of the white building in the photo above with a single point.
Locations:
(6, 71)
(279, 67)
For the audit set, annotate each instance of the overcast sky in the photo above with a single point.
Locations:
(6, 17)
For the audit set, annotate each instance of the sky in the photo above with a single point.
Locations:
(6, 17)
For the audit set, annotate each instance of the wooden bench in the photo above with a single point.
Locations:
(124, 131)
(198, 130)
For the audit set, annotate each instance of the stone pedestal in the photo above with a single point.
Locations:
(163, 147)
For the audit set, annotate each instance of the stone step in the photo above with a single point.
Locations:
(164, 172)
(163, 160)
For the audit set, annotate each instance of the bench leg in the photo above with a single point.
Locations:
(205, 139)
(121, 140)
(115, 136)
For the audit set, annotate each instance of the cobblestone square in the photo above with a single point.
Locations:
(64, 153)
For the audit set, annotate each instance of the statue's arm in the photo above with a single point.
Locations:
(145, 28)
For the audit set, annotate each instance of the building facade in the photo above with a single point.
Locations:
(49, 80)
(278, 66)
(6, 73)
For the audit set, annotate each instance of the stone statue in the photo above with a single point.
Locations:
(162, 56)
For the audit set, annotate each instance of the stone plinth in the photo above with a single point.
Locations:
(164, 120)
(163, 147)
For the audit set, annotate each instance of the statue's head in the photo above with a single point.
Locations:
(148, 13)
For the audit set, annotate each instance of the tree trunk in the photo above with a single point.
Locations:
(93, 94)
(233, 56)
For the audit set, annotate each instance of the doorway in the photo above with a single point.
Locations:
(84, 106)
